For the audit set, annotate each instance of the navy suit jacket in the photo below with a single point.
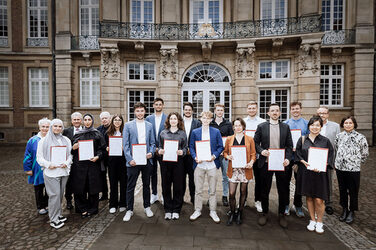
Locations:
(151, 119)
(216, 144)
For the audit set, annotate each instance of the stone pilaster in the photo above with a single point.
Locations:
(64, 88)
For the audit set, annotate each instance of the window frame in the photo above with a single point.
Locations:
(6, 24)
(206, 11)
(142, 76)
(90, 7)
(39, 27)
(273, 10)
(273, 100)
(142, 99)
(142, 11)
(274, 72)
(331, 77)
(91, 79)
(331, 18)
(40, 80)
(7, 93)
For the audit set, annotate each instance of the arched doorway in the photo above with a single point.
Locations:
(205, 84)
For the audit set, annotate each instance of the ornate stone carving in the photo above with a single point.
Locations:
(309, 58)
(110, 62)
(303, 57)
(245, 62)
(277, 44)
(315, 58)
(206, 50)
(336, 52)
(169, 67)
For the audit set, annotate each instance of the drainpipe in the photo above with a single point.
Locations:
(374, 102)
(53, 31)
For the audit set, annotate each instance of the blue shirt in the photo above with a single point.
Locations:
(30, 161)
(301, 124)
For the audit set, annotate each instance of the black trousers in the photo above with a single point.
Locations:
(133, 173)
(172, 176)
(117, 173)
(348, 183)
(69, 190)
(298, 202)
(256, 173)
(87, 202)
(266, 184)
(188, 170)
(41, 197)
(104, 183)
(154, 174)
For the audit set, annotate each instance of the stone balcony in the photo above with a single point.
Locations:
(84, 43)
(338, 37)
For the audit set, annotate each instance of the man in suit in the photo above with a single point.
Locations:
(329, 130)
(135, 132)
(189, 125)
(76, 119)
(158, 121)
(202, 168)
(273, 135)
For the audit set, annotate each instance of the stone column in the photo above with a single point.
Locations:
(111, 87)
(64, 71)
(169, 88)
(244, 85)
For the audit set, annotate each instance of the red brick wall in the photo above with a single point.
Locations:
(17, 27)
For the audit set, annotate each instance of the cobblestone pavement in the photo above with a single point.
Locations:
(22, 228)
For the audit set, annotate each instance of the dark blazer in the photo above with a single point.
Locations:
(262, 140)
(68, 132)
(151, 119)
(195, 124)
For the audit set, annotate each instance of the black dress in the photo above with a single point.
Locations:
(310, 183)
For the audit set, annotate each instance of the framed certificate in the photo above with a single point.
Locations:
(85, 150)
(203, 151)
(250, 133)
(115, 146)
(170, 150)
(276, 159)
(58, 154)
(318, 158)
(139, 154)
(295, 134)
(239, 153)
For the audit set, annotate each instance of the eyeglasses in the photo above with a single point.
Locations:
(117, 120)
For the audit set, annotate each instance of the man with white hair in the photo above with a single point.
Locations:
(105, 123)
(76, 119)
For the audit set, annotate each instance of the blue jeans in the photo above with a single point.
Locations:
(224, 166)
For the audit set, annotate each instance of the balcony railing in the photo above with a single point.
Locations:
(231, 30)
(3, 41)
(37, 42)
(84, 43)
(333, 37)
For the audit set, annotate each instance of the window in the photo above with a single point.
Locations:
(273, 9)
(38, 18)
(4, 87)
(141, 71)
(206, 11)
(38, 87)
(279, 96)
(332, 14)
(89, 87)
(274, 70)
(3, 19)
(331, 85)
(142, 11)
(89, 17)
(144, 96)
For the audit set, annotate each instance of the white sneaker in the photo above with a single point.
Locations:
(122, 209)
(112, 210)
(128, 215)
(258, 206)
(153, 198)
(167, 216)
(214, 216)
(195, 215)
(175, 216)
(319, 228)
(311, 226)
(148, 212)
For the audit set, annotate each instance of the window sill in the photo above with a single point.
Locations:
(339, 108)
(274, 83)
(87, 108)
(7, 108)
(37, 108)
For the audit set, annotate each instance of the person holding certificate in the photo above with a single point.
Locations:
(352, 151)
(206, 145)
(239, 172)
(313, 183)
(173, 147)
(274, 144)
(117, 171)
(88, 151)
(53, 155)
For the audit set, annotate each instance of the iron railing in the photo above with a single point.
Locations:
(37, 42)
(333, 37)
(84, 43)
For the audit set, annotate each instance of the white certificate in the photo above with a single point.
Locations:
(115, 146)
(239, 153)
(276, 159)
(317, 158)
(250, 133)
(224, 138)
(85, 150)
(170, 150)
(139, 154)
(295, 134)
(58, 155)
(203, 151)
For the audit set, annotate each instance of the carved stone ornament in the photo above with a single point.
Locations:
(303, 58)
(316, 57)
(336, 52)
(110, 62)
(245, 62)
(169, 67)
(277, 44)
(206, 50)
(309, 58)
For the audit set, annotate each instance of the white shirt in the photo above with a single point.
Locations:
(187, 125)
(323, 129)
(75, 130)
(206, 164)
(252, 123)
(117, 133)
(158, 120)
(141, 132)
(57, 172)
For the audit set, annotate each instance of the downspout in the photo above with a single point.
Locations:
(53, 31)
(374, 91)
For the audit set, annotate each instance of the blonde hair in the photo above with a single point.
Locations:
(208, 114)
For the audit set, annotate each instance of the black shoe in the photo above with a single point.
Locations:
(225, 201)
(62, 218)
(350, 217)
(57, 225)
(239, 218)
(282, 221)
(344, 214)
(230, 219)
(69, 205)
(329, 210)
(85, 215)
(103, 198)
(262, 220)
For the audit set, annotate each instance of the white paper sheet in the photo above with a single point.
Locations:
(139, 154)
(250, 133)
(203, 151)
(295, 134)
(239, 153)
(170, 150)
(317, 158)
(276, 159)
(85, 150)
(58, 155)
(115, 146)
(224, 138)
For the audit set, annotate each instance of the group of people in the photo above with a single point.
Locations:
(200, 148)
